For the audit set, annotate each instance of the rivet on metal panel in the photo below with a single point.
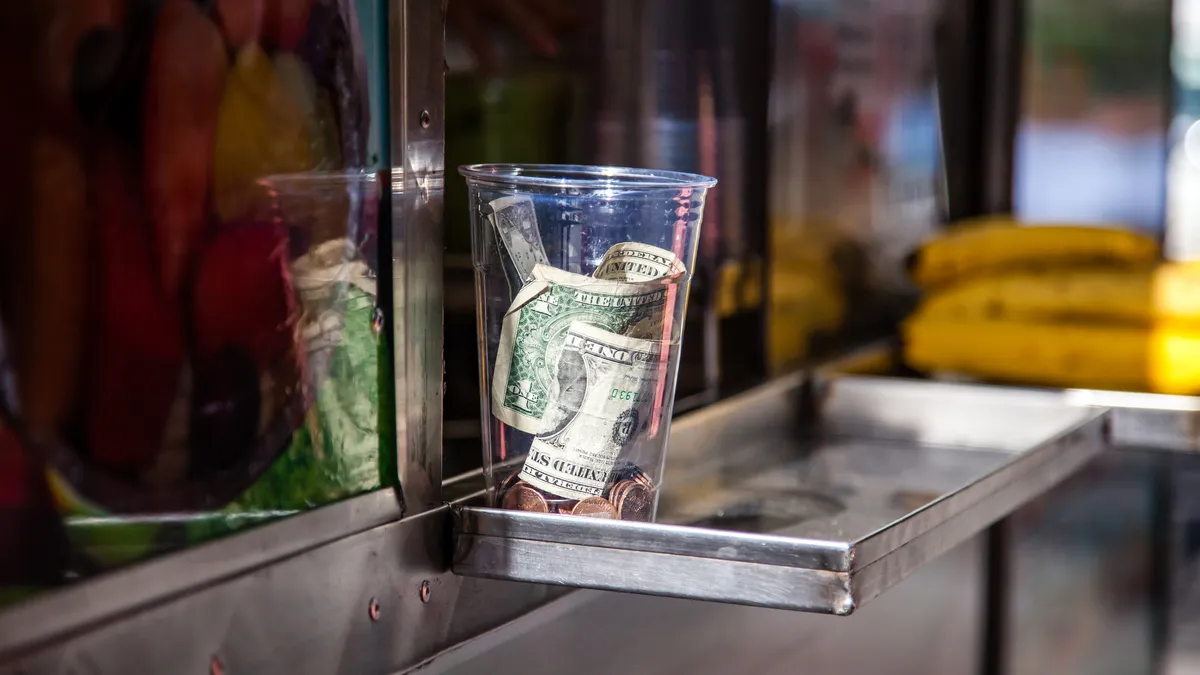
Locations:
(425, 591)
(373, 610)
(425, 119)
(215, 667)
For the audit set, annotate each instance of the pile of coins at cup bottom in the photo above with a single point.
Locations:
(631, 497)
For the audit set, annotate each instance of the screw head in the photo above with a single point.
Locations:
(425, 591)
(373, 609)
(426, 119)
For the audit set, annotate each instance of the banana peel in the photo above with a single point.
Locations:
(989, 246)
(1163, 358)
(1168, 293)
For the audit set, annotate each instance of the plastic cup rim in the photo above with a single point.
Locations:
(583, 176)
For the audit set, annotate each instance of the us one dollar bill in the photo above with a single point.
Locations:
(534, 333)
(633, 261)
(600, 403)
(517, 228)
(323, 278)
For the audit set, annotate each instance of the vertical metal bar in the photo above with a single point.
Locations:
(1162, 558)
(1002, 56)
(1005, 49)
(979, 50)
(997, 569)
(417, 163)
(960, 66)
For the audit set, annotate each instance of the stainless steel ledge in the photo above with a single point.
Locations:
(378, 602)
(892, 474)
(1137, 420)
(762, 509)
(1146, 421)
(77, 608)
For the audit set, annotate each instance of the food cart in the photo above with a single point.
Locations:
(824, 509)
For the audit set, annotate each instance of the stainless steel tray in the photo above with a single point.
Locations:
(818, 516)
(1137, 420)
(1145, 421)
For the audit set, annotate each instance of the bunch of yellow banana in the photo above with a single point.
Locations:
(985, 246)
(1056, 306)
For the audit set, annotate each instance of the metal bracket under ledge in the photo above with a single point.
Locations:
(894, 473)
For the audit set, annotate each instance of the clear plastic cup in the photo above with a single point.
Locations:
(582, 277)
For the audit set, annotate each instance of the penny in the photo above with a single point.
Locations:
(566, 506)
(635, 503)
(595, 507)
(630, 471)
(619, 489)
(506, 485)
(523, 497)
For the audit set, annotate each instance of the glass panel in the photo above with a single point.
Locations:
(189, 334)
(854, 138)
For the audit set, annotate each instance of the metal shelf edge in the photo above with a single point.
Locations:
(808, 566)
(77, 607)
(1068, 455)
(380, 601)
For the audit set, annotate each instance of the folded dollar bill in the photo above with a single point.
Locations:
(601, 401)
(633, 261)
(517, 228)
(535, 329)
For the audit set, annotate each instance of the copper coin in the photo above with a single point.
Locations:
(635, 503)
(595, 507)
(632, 472)
(566, 507)
(523, 497)
(503, 487)
(506, 484)
(621, 487)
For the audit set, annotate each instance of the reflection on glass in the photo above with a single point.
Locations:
(189, 340)
(854, 159)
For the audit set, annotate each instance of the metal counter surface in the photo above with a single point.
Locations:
(353, 588)
(894, 474)
(929, 624)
